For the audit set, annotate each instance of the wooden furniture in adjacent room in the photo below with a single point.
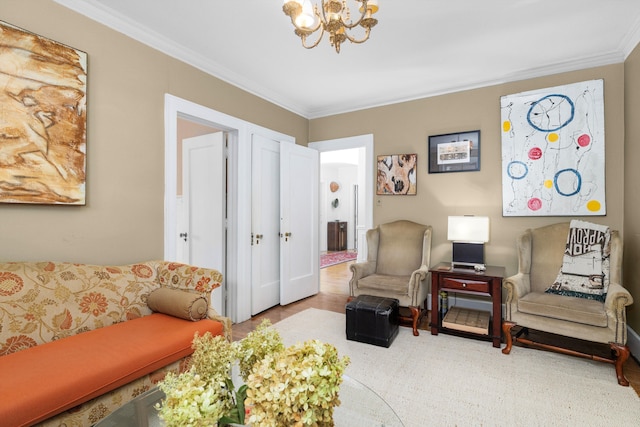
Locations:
(468, 281)
(337, 236)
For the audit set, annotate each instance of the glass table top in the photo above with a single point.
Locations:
(360, 406)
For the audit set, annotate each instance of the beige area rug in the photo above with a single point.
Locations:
(450, 381)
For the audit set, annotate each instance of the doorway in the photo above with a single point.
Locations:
(298, 162)
(357, 212)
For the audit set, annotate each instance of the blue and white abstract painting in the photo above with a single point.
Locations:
(553, 152)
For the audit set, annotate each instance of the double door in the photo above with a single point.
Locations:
(284, 229)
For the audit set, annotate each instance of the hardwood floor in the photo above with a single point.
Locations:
(334, 291)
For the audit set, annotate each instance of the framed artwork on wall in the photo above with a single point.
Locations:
(454, 152)
(553, 152)
(43, 116)
(397, 174)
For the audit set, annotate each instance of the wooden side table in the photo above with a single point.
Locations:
(467, 281)
(337, 236)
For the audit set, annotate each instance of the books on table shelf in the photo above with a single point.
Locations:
(467, 320)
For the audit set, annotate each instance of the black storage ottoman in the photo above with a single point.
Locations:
(372, 320)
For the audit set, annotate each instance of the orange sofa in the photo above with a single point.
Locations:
(78, 341)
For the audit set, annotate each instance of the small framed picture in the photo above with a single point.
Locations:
(397, 174)
(454, 152)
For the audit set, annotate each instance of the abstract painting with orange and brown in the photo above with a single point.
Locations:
(397, 174)
(43, 119)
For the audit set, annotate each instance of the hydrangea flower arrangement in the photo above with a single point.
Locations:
(295, 386)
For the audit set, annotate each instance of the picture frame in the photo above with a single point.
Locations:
(454, 152)
(43, 116)
(397, 175)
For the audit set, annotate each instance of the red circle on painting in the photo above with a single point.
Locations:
(584, 140)
(534, 204)
(535, 153)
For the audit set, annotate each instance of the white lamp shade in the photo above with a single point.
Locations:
(470, 229)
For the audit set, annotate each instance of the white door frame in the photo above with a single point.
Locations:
(360, 141)
(238, 275)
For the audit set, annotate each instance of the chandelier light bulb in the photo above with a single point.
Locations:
(306, 19)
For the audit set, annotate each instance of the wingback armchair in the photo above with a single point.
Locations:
(540, 257)
(397, 266)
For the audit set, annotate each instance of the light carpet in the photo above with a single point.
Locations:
(445, 380)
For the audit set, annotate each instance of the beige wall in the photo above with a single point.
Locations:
(404, 128)
(122, 221)
(632, 187)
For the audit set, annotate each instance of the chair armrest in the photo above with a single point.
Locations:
(614, 304)
(516, 287)
(358, 271)
(418, 276)
(617, 297)
(417, 291)
(362, 269)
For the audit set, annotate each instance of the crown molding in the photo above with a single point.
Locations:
(97, 12)
(531, 73)
(632, 39)
(122, 24)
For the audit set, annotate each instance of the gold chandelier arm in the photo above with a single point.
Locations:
(354, 40)
(305, 30)
(316, 43)
(362, 16)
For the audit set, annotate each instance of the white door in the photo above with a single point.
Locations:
(203, 200)
(299, 245)
(265, 224)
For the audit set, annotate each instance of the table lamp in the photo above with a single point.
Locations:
(468, 234)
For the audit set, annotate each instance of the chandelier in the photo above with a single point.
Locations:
(333, 17)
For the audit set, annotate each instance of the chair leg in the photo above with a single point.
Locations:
(506, 329)
(621, 353)
(415, 316)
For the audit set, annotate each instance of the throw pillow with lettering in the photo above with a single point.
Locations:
(585, 265)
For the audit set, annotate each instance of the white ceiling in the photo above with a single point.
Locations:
(419, 48)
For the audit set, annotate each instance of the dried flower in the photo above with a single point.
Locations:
(203, 394)
(256, 345)
(298, 386)
(295, 386)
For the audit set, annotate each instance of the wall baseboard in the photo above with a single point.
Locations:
(633, 338)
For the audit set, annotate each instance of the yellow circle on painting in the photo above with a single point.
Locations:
(506, 126)
(552, 137)
(593, 205)
(548, 183)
